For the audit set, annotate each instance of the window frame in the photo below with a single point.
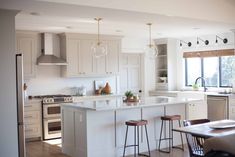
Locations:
(202, 73)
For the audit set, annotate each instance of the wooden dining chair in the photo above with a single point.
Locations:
(194, 142)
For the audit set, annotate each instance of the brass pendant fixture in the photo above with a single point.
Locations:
(99, 49)
(151, 49)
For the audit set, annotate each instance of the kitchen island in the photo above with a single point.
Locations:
(97, 128)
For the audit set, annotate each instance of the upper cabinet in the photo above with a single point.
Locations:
(26, 43)
(76, 50)
(165, 64)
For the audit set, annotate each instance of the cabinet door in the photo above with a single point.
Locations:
(73, 48)
(112, 58)
(26, 44)
(130, 72)
(197, 110)
(86, 57)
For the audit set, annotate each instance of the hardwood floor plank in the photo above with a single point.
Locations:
(52, 149)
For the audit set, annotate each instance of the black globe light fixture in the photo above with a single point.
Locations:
(206, 42)
(225, 40)
(187, 43)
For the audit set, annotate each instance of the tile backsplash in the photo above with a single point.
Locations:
(49, 81)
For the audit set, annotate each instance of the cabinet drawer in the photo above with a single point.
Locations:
(32, 117)
(232, 102)
(32, 107)
(32, 131)
(232, 112)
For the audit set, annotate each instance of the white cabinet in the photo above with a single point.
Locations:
(26, 43)
(232, 108)
(76, 50)
(166, 71)
(32, 120)
(197, 110)
(112, 58)
(130, 72)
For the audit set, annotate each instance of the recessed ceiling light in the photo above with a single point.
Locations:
(118, 31)
(35, 14)
(68, 27)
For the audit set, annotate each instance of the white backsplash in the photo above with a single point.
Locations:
(49, 81)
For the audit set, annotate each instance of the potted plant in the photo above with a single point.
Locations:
(129, 95)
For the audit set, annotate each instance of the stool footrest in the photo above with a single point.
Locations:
(165, 139)
(177, 147)
(131, 145)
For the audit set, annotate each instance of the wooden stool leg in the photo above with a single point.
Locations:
(125, 141)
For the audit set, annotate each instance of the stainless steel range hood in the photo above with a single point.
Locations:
(47, 57)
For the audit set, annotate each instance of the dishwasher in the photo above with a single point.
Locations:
(217, 107)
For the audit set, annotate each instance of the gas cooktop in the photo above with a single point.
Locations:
(57, 98)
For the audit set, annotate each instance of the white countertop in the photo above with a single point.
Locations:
(116, 103)
(34, 100)
(95, 97)
(212, 93)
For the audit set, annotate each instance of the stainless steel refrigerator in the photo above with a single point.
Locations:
(20, 104)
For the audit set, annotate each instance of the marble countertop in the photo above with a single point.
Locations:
(95, 97)
(117, 103)
(212, 93)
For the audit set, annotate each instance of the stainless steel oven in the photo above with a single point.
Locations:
(52, 128)
(52, 115)
(51, 110)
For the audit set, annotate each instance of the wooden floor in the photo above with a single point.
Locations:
(52, 148)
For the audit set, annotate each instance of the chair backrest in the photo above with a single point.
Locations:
(195, 143)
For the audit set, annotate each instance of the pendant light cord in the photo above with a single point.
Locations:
(98, 35)
(150, 38)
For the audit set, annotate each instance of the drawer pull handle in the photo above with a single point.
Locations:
(28, 106)
(28, 130)
(28, 116)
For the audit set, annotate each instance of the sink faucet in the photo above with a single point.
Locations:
(203, 82)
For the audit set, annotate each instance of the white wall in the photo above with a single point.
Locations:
(49, 81)
(8, 118)
(201, 47)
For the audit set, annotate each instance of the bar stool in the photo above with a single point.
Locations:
(170, 119)
(136, 124)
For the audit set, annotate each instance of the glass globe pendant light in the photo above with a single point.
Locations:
(151, 49)
(99, 49)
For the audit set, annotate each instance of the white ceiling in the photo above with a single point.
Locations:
(170, 18)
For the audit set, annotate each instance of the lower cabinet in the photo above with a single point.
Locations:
(197, 110)
(32, 120)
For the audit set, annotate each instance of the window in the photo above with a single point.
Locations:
(217, 71)
(193, 70)
(227, 70)
(211, 71)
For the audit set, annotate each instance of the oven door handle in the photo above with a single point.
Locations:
(52, 119)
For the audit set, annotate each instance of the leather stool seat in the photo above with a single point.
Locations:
(171, 117)
(137, 122)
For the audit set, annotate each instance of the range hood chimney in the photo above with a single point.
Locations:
(47, 57)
